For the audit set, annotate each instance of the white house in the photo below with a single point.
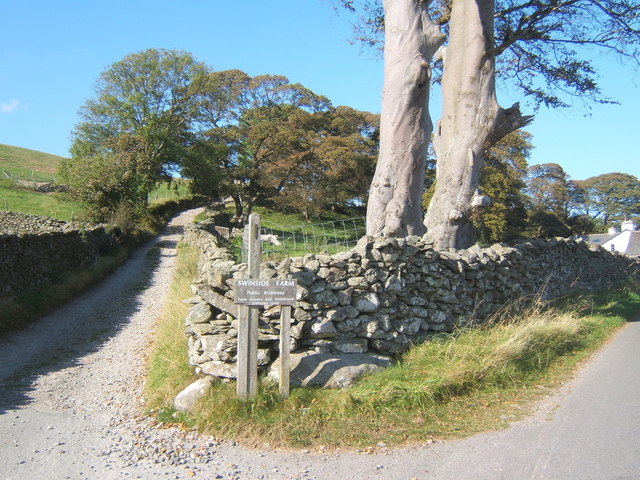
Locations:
(627, 241)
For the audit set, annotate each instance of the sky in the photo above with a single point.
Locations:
(51, 54)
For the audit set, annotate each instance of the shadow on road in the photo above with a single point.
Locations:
(62, 339)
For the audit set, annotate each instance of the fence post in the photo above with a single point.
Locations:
(285, 347)
(247, 384)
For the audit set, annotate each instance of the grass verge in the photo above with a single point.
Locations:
(168, 369)
(473, 380)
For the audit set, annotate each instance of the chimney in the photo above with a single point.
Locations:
(628, 225)
(612, 230)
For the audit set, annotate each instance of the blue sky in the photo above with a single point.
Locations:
(51, 54)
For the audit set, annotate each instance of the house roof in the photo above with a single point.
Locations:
(599, 238)
(633, 250)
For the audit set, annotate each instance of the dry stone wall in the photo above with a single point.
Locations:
(37, 250)
(385, 294)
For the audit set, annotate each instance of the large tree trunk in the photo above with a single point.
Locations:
(471, 122)
(394, 206)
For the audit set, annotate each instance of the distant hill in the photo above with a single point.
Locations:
(24, 163)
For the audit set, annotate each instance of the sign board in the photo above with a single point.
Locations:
(274, 291)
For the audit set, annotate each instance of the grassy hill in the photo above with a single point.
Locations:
(18, 167)
(25, 164)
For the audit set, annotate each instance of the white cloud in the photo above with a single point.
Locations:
(10, 107)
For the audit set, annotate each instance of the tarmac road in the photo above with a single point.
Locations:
(594, 434)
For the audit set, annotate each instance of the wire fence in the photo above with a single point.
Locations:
(64, 214)
(24, 176)
(279, 241)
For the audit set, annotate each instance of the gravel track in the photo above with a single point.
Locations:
(71, 406)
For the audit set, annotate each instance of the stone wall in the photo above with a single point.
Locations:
(385, 294)
(36, 250)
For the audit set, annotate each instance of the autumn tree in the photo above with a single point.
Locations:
(338, 173)
(550, 192)
(117, 178)
(267, 126)
(533, 45)
(549, 188)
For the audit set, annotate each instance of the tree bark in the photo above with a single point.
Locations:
(471, 122)
(394, 207)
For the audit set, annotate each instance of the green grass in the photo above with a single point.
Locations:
(33, 203)
(25, 164)
(170, 191)
(473, 380)
(329, 234)
(169, 369)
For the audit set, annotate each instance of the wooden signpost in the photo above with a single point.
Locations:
(250, 293)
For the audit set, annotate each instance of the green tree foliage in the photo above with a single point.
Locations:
(503, 180)
(339, 170)
(158, 112)
(119, 177)
(151, 96)
(266, 124)
(609, 196)
(551, 194)
(549, 188)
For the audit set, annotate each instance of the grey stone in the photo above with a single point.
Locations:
(410, 326)
(394, 285)
(359, 283)
(355, 345)
(219, 301)
(264, 357)
(323, 329)
(367, 303)
(318, 286)
(199, 313)
(219, 369)
(336, 314)
(325, 299)
(330, 371)
(188, 398)
(349, 325)
(344, 297)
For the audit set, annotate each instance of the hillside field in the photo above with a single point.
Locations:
(20, 166)
(25, 164)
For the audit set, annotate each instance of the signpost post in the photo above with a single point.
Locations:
(247, 385)
(251, 293)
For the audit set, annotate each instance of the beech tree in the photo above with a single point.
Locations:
(339, 170)
(534, 45)
(549, 188)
